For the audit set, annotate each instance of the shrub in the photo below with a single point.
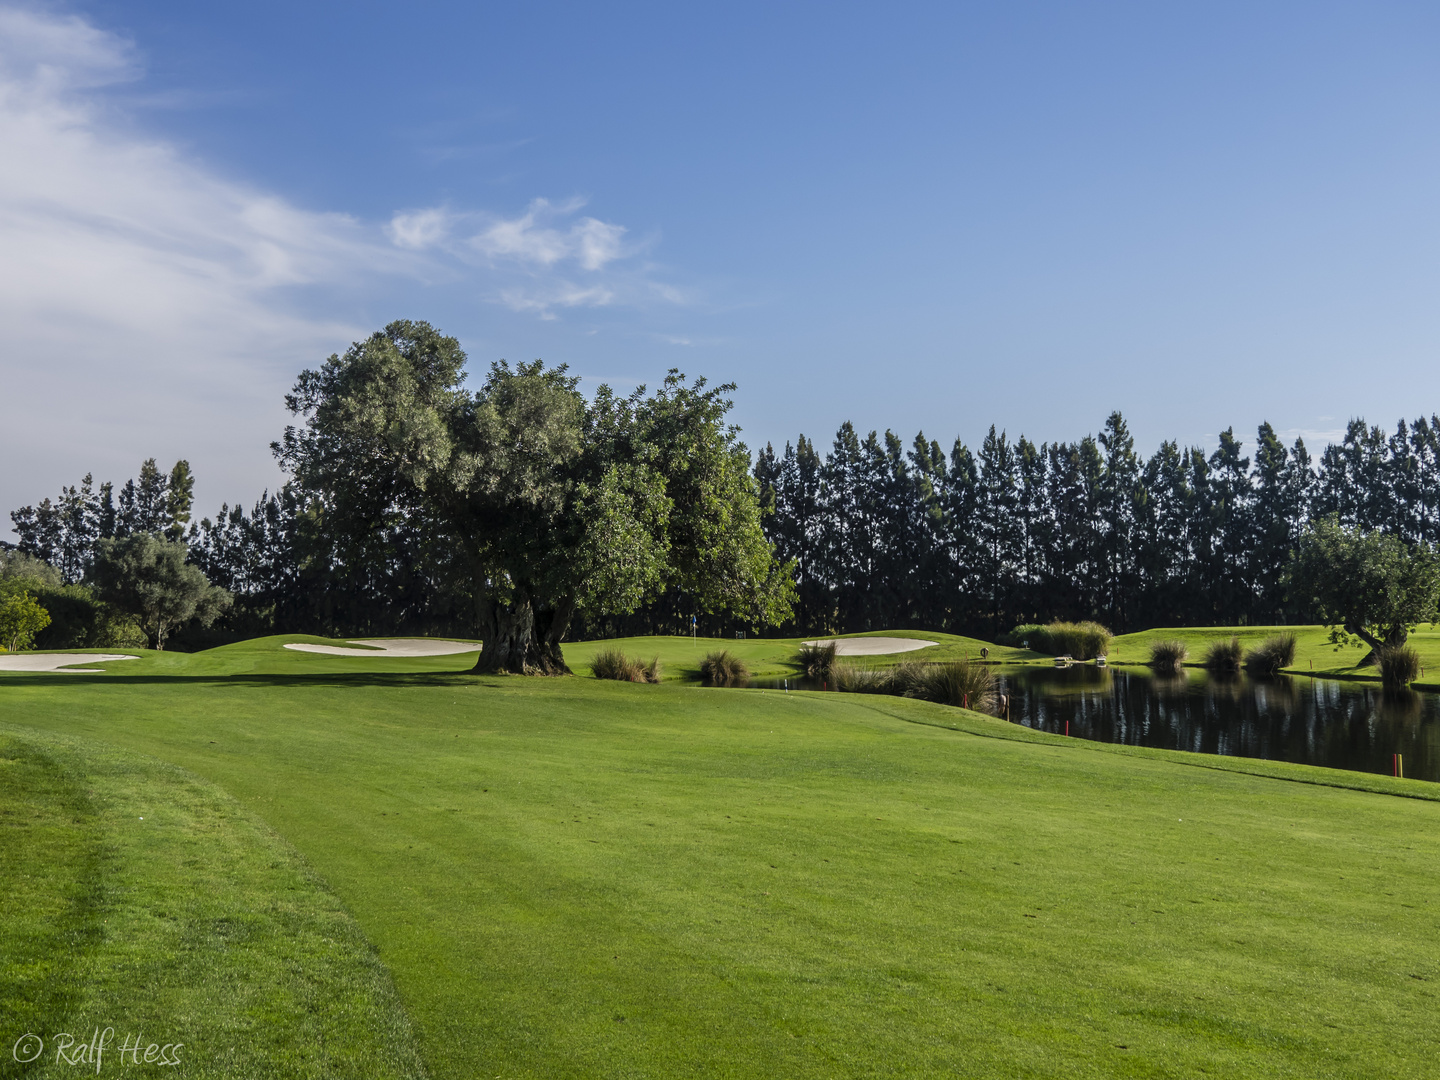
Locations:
(1024, 636)
(1399, 664)
(1224, 655)
(722, 669)
(817, 661)
(1272, 654)
(954, 682)
(614, 664)
(1083, 640)
(1168, 655)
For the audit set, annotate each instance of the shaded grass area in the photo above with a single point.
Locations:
(140, 898)
(573, 878)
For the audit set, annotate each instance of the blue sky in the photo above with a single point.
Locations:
(910, 216)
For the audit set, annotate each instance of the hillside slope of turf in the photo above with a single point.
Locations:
(571, 878)
(141, 899)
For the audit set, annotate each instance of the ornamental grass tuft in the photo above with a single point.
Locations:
(817, 659)
(723, 669)
(1168, 656)
(1399, 665)
(1272, 654)
(614, 664)
(1224, 655)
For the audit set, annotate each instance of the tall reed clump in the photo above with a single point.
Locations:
(723, 669)
(862, 679)
(953, 682)
(1399, 665)
(1272, 654)
(1169, 655)
(614, 664)
(817, 660)
(1082, 640)
(1024, 636)
(1224, 655)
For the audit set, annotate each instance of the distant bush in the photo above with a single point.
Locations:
(722, 669)
(1399, 664)
(1224, 655)
(1272, 654)
(1082, 640)
(817, 661)
(614, 664)
(1168, 655)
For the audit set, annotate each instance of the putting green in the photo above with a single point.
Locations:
(570, 878)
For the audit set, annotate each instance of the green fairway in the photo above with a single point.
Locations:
(574, 878)
(142, 900)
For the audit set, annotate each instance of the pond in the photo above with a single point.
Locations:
(1341, 725)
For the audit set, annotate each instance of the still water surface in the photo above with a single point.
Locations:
(1340, 725)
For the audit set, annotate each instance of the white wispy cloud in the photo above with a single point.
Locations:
(541, 250)
(154, 306)
(149, 303)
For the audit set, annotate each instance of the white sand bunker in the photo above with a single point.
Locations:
(58, 661)
(873, 646)
(395, 646)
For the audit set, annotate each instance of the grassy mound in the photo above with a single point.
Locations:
(142, 899)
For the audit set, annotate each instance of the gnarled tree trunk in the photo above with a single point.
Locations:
(521, 641)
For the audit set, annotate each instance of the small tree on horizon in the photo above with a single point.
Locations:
(1367, 586)
(148, 578)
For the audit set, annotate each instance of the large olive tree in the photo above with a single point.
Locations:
(547, 503)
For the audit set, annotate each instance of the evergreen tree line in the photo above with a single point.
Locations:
(64, 532)
(980, 541)
(881, 535)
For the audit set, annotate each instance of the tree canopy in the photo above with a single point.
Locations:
(532, 499)
(147, 577)
(1365, 584)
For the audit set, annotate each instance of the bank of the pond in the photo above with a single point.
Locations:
(1332, 723)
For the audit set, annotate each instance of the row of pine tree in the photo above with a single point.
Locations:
(979, 541)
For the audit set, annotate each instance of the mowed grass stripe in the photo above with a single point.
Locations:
(140, 898)
(570, 878)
